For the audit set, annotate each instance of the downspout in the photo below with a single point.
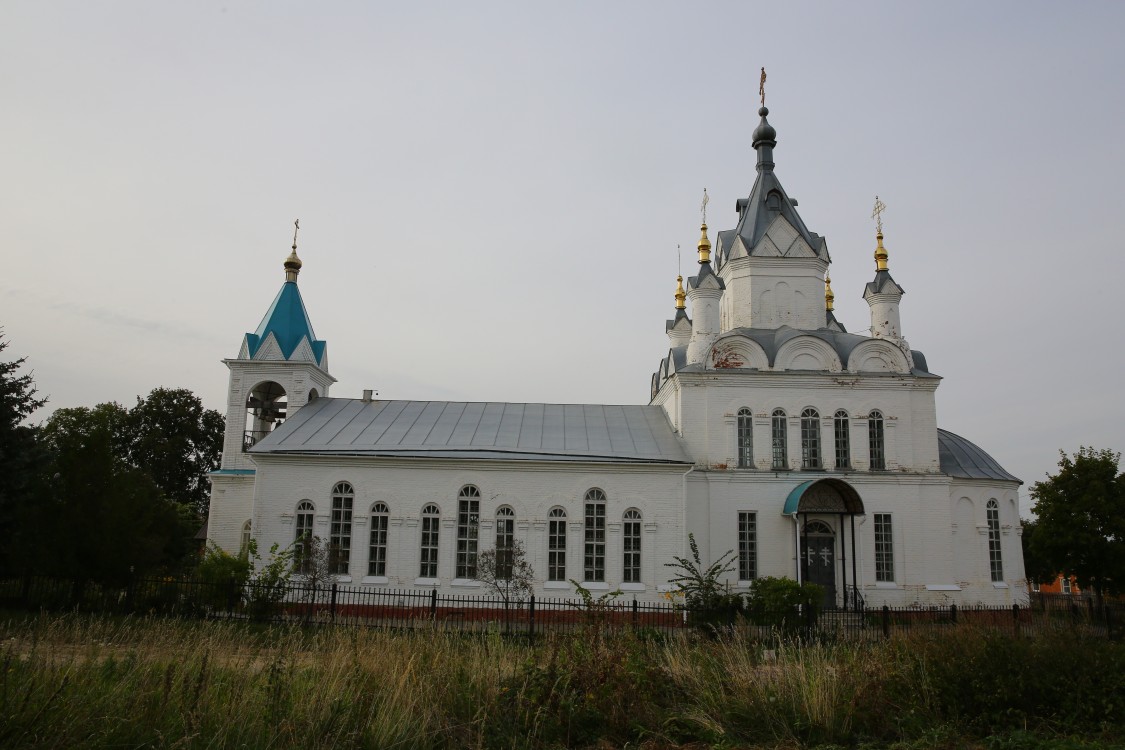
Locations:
(797, 545)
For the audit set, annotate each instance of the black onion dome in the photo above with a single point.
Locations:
(764, 131)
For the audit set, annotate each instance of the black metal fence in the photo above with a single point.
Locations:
(415, 609)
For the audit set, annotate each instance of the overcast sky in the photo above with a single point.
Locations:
(491, 194)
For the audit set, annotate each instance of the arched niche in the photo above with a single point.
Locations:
(807, 353)
(737, 352)
(877, 356)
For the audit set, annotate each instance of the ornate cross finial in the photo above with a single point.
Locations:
(762, 87)
(679, 260)
(877, 214)
(296, 226)
(703, 206)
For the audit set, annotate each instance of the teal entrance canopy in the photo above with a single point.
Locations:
(823, 496)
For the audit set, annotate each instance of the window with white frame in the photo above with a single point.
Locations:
(747, 545)
(594, 563)
(745, 436)
(875, 442)
(778, 438)
(340, 532)
(244, 540)
(631, 537)
(431, 520)
(302, 537)
(810, 439)
(841, 429)
(1066, 588)
(556, 545)
(377, 553)
(995, 560)
(884, 548)
(468, 531)
(505, 541)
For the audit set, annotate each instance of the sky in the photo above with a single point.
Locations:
(491, 194)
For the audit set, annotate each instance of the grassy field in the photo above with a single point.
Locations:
(82, 681)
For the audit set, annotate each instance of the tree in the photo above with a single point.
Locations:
(701, 586)
(1080, 527)
(177, 442)
(1035, 567)
(20, 457)
(507, 572)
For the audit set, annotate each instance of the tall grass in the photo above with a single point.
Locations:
(79, 681)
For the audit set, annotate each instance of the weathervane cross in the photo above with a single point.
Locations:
(703, 205)
(877, 214)
(296, 226)
(762, 87)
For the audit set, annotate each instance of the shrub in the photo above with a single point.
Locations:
(782, 602)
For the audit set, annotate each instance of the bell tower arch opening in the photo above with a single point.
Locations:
(266, 409)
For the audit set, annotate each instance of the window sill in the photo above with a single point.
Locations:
(342, 579)
(427, 582)
(556, 585)
(375, 579)
(891, 585)
(632, 587)
(744, 584)
(942, 587)
(595, 585)
(465, 583)
(999, 585)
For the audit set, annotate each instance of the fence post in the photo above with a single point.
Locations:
(953, 613)
(1016, 617)
(433, 605)
(886, 621)
(636, 611)
(531, 619)
(332, 604)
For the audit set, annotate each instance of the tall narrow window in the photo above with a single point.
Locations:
(340, 537)
(810, 439)
(631, 536)
(875, 441)
(745, 438)
(1066, 587)
(884, 548)
(995, 560)
(594, 568)
(780, 452)
(244, 540)
(468, 530)
(431, 518)
(747, 545)
(377, 554)
(303, 536)
(841, 428)
(556, 545)
(505, 541)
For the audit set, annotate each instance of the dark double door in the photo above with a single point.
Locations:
(819, 557)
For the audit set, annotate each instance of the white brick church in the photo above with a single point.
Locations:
(811, 452)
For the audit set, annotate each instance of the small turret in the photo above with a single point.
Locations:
(883, 294)
(705, 291)
(679, 327)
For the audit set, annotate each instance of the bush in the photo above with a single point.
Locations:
(224, 575)
(782, 602)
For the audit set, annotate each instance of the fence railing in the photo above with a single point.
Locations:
(301, 603)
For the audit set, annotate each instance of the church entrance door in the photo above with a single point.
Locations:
(818, 548)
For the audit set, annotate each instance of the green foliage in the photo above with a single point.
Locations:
(596, 610)
(224, 575)
(506, 572)
(705, 593)
(782, 602)
(1081, 521)
(20, 456)
(269, 579)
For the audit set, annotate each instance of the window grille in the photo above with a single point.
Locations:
(431, 518)
(843, 432)
(468, 531)
(745, 438)
(377, 555)
(810, 439)
(995, 559)
(632, 546)
(303, 535)
(747, 545)
(780, 452)
(556, 545)
(594, 568)
(340, 538)
(505, 541)
(875, 441)
(884, 548)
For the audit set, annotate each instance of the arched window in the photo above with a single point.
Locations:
(556, 545)
(377, 552)
(505, 541)
(745, 438)
(780, 452)
(340, 537)
(594, 567)
(841, 428)
(875, 441)
(995, 559)
(631, 528)
(244, 540)
(468, 531)
(431, 518)
(302, 536)
(810, 439)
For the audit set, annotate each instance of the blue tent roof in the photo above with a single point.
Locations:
(289, 322)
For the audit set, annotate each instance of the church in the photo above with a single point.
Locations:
(771, 432)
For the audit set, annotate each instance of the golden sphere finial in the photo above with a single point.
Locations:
(829, 297)
(880, 253)
(704, 245)
(681, 295)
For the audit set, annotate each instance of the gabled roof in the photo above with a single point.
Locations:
(962, 459)
(883, 283)
(289, 323)
(497, 431)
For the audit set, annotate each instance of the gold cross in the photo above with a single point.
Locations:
(877, 214)
(296, 226)
(703, 205)
(762, 87)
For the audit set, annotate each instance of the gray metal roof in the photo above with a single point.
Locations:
(500, 431)
(960, 458)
